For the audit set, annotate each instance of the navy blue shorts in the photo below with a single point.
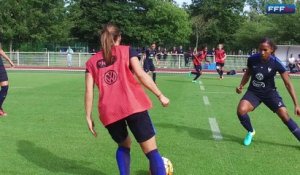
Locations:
(198, 68)
(3, 74)
(139, 123)
(148, 65)
(271, 99)
(219, 65)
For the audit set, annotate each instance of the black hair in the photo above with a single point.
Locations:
(270, 42)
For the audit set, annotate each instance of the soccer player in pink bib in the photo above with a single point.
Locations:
(122, 100)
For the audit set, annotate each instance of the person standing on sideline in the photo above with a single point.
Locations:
(198, 57)
(69, 56)
(3, 80)
(122, 100)
(291, 63)
(262, 69)
(220, 57)
(148, 64)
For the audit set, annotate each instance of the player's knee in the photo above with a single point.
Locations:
(283, 114)
(126, 143)
(242, 110)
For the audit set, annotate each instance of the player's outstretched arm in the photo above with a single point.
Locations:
(89, 93)
(290, 88)
(147, 81)
(244, 81)
(2, 53)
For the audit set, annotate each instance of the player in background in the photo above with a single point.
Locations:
(262, 68)
(198, 57)
(148, 64)
(220, 57)
(122, 100)
(3, 80)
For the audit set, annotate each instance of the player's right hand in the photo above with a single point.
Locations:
(239, 89)
(91, 126)
(164, 100)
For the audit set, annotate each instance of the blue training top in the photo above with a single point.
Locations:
(263, 73)
(150, 54)
(1, 61)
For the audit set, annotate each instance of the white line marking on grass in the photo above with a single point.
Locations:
(215, 129)
(202, 88)
(205, 99)
(219, 92)
(200, 82)
(20, 87)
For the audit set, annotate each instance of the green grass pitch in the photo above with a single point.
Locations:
(45, 131)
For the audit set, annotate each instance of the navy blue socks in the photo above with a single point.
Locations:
(154, 76)
(156, 163)
(123, 160)
(3, 94)
(293, 127)
(245, 121)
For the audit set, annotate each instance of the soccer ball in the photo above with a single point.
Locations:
(168, 166)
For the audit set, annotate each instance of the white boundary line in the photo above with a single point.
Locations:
(205, 99)
(215, 129)
(16, 87)
(202, 88)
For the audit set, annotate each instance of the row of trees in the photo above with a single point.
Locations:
(143, 21)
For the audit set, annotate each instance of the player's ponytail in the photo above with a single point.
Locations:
(109, 36)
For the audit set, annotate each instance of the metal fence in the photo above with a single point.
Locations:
(171, 61)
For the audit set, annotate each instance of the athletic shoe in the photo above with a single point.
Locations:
(194, 81)
(248, 138)
(2, 113)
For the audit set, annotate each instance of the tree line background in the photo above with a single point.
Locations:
(35, 25)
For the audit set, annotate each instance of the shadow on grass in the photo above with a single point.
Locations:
(204, 134)
(53, 163)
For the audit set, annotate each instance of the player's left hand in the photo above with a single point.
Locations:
(297, 110)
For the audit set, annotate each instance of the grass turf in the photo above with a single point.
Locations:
(45, 130)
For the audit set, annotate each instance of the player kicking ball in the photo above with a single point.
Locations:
(262, 69)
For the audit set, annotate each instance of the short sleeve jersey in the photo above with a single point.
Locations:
(150, 54)
(219, 55)
(263, 73)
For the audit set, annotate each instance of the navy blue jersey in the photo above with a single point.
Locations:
(263, 73)
(133, 53)
(1, 61)
(150, 54)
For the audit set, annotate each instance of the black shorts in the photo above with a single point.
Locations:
(139, 123)
(148, 65)
(218, 65)
(271, 99)
(3, 74)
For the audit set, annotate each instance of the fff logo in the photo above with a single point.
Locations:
(281, 8)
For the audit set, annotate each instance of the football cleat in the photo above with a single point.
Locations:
(248, 138)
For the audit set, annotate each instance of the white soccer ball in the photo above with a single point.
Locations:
(168, 166)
